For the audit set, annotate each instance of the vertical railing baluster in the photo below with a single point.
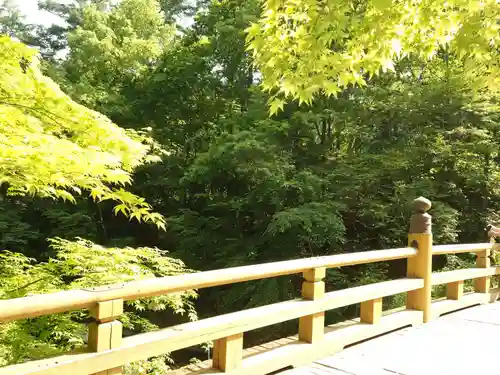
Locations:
(228, 353)
(482, 284)
(312, 327)
(105, 332)
(455, 290)
(371, 311)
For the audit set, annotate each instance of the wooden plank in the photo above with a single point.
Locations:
(460, 248)
(359, 331)
(355, 366)
(312, 327)
(166, 340)
(441, 343)
(300, 353)
(104, 336)
(483, 284)
(228, 353)
(272, 344)
(313, 290)
(487, 313)
(371, 311)
(336, 339)
(449, 346)
(466, 274)
(327, 370)
(107, 311)
(455, 290)
(249, 351)
(37, 305)
(287, 340)
(105, 332)
(421, 267)
(448, 305)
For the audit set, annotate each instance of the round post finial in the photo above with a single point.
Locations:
(421, 221)
(421, 204)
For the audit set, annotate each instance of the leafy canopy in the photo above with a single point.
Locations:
(307, 47)
(54, 147)
(112, 47)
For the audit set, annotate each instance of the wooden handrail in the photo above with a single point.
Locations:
(447, 277)
(44, 304)
(461, 248)
(37, 305)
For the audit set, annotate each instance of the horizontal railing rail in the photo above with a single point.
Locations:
(108, 351)
(461, 248)
(439, 278)
(37, 305)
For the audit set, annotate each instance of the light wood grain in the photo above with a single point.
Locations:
(105, 332)
(421, 267)
(299, 353)
(482, 284)
(228, 353)
(313, 290)
(166, 340)
(446, 306)
(461, 248)
(465, 274)
(107, 311)
(104, 336)
(455, 290)
(450, 345)
(312, 327)
(371, 311)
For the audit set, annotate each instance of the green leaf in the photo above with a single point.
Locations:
(276, 105)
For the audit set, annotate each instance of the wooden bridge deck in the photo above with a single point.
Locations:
(464, 342)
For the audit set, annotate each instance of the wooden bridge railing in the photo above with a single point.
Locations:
(108, 351)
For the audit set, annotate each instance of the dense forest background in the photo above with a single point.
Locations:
(235, 185)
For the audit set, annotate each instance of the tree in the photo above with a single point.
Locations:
(53, 147)
(53, 40)
(177, 10)
(11, 20)
(305, 48)
(111, 48)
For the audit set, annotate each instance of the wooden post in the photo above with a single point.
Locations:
(228, 353)
(455, 290)
(312, 327)
(371, 311)
(105, 332)
(483, 260)
(420, 236)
